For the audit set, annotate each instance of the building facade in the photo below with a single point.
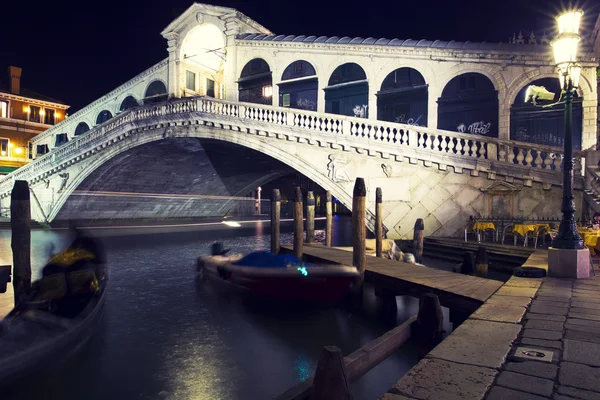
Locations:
(24, 114)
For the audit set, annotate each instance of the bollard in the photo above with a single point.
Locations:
(378, 223)
(481, 262)
(20, 224)
(275, 221)
(328, 217)
(468, 264)
(310, 217)
(418, 240)
(359, 229)
(298, 223)
(331, 380)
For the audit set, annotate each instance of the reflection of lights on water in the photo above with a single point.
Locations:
(232, 223)
(302, 368)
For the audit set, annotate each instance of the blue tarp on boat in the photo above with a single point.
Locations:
(266, 259)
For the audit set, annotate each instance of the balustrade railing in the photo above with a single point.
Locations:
(420, 139)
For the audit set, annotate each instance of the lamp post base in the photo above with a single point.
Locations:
(567, 263)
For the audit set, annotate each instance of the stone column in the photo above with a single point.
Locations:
(372, 110)
(503, 122)
(173, 68)
(321, 94)
(432, 108)
(590, 120)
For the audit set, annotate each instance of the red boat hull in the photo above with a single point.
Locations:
(323, 284)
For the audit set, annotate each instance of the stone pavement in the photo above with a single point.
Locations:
(532, 340)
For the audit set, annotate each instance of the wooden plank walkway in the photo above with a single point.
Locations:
(456, 291)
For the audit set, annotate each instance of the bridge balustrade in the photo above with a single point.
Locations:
(447, 145)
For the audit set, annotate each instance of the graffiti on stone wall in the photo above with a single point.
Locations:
(335, 170)
(409, 121)
(306, 104)
(387, 169)
(476, 128)
(360, 111)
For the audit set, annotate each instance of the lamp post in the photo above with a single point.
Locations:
(565, 54)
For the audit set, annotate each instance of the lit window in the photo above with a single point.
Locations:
(210, 88)
(49, 116)
(267, 91)
(285, 100)
(3, 109)
(34, 114)
(190, 80)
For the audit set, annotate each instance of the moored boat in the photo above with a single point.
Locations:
(37, 335)
(280, 277)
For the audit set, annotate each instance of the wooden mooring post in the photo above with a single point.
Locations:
(328, 219)
(20, 224)
(275, 221)
(310, 217)
(298, 223)
(378, 223)
(481, 262)
(359, 229)
(428, 329)
(468, 265)
(419, 234)
(331, 380)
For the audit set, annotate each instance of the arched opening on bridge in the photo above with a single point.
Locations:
(531, 123)
(299, 86)
(256, 82)
(403, 98)
(81, 128)
(127, 103)
(469, 104)
(103, 116)
(155, 93)
(202, 61)
(347, 92)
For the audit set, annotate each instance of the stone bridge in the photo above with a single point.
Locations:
(441, 126)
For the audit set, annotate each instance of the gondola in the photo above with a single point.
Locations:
(285, 279)
(33, 338)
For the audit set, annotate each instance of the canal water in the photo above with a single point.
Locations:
(166, 335)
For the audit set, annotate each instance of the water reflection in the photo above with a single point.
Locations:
(167, 336)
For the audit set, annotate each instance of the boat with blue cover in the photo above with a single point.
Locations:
(280, 276)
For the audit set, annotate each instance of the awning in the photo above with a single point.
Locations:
(7, 170)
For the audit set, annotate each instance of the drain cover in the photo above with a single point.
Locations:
(533, 354)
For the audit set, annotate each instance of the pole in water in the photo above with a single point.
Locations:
(20, 224)
(378, 223)
(468, 264)
(481, 262)
(419, 234)
(310, 217)
(275, 220)
(298, 223)
(359, 230)
(328, 218)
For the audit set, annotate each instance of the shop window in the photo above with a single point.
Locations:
(210, 88)
(3, 147)
(286, 100)
(190, 80)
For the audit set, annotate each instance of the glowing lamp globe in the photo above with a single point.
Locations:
(569, 22)
(573, 71)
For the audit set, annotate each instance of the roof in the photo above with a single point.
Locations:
(431, 44)
(29, 94)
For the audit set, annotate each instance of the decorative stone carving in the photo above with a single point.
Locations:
(47, 182)
(387, 169)
(200, 18)
(168, 133)
(65, 179)
(335, 171)
(501, 199)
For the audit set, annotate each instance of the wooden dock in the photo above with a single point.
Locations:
(458, 292)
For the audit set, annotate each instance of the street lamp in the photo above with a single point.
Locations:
(565, 54)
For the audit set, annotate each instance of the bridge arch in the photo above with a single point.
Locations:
(469, 104)
(155, 92)
(403, 97)
(127, 103)
(299, 86)
(255, 83)
(103, 116)
(347, 91)
(249, 141)
(81, 128)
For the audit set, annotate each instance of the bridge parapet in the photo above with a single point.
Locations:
(477, 154)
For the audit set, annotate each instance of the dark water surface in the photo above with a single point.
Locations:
(167, 336)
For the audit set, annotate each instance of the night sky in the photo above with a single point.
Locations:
(77, 51)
